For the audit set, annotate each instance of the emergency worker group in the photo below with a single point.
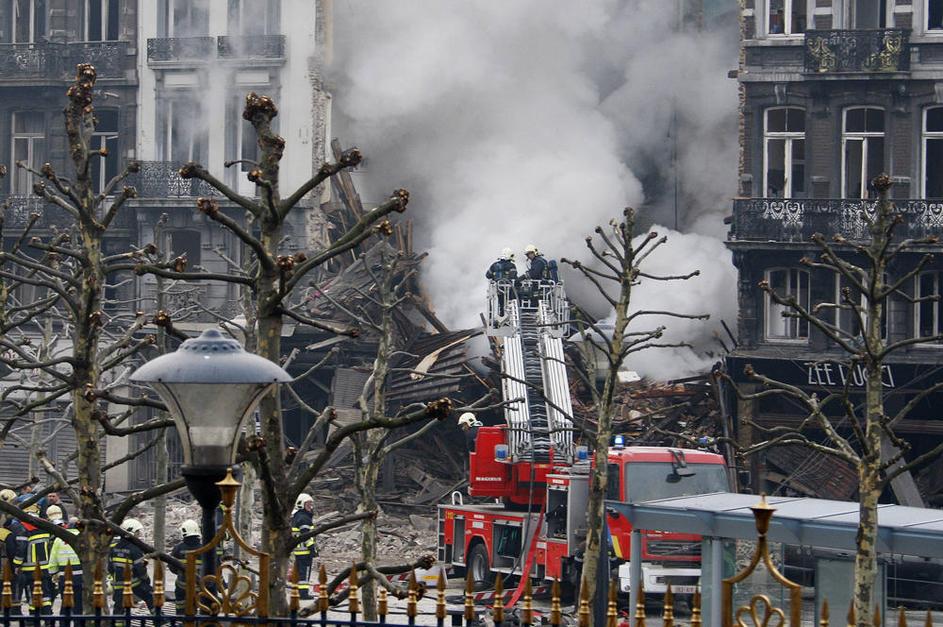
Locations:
(28, 548)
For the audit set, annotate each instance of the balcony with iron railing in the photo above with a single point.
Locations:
(56, 62)
(20, 210)
(830, 52)
(797, 219)
(161, 179)
(24, 62)
(180, 49)
(266, 47)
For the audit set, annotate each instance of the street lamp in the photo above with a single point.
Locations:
(210, 385)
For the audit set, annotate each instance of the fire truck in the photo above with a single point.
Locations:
(537, 482)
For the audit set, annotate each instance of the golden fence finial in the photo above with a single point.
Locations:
(668, 613)
(353, 596)
(929, 620)
(469, 597)
(696, 608)
(499, 599)
(412, 597)
(583, 612)
(440, 612)
(612, 613)
(762, 515)
(6, 597)
(876, 617)
(901, 617)
(294, 598)
(852, 619)
(640, 607)
(383, 604)
(68, 592)
(823, 619)
(98, 590)
(37, 587)
(528, 616)
(158, 584)
(127, 596)
(324, 602)
(555, 611)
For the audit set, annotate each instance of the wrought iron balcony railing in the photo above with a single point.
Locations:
(880, 50)
(108, 57)
(180, 49)
(161, 179)
(796, 219)
(31, 61)
(252, 46)
(20, 210)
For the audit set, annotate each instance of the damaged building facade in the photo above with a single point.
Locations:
(172, 79)
(834, 92)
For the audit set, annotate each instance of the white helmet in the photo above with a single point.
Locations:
(54, 513)
(530, 248)
(468, 420)
(132, 526)
(302, 500)
(507, 253)
(189, 528)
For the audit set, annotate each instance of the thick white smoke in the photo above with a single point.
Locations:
(534, 121)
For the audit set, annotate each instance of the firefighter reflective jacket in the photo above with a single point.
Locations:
(125, 555)
(301, 522)
(190, 543)
(33, 550)
(62, 555)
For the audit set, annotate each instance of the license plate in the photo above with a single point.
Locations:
(684, 589)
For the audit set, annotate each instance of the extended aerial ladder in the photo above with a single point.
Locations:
(530, 319)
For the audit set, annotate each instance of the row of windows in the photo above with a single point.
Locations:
(862, 152)
(793, 17)
(795, 283)
(190, 18)
(180, 139)
(26, 21)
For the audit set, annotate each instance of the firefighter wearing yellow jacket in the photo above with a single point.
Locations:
(301, 522)
(62, 555)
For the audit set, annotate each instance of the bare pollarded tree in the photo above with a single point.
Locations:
(54, 329)
(616, 268)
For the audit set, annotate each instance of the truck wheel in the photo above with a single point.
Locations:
(479, 567)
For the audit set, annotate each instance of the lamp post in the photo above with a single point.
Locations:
(210, 385)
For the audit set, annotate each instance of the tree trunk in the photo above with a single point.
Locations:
(367, 486)
(596, 505)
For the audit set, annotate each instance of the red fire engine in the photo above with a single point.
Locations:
(540, 481)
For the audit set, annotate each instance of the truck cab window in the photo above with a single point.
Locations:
(612, 482)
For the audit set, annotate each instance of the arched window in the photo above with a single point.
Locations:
(932, 150)
(862, 150)
(787, 283)
(784, 152)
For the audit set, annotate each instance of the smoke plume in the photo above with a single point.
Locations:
(534, 121)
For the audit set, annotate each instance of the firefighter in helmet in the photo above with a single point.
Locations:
(32, 554)
(61, 554)
(537, 267)
(504, 269)
(469, 425)
(302, 519)
(190, 533)
(127, 556)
